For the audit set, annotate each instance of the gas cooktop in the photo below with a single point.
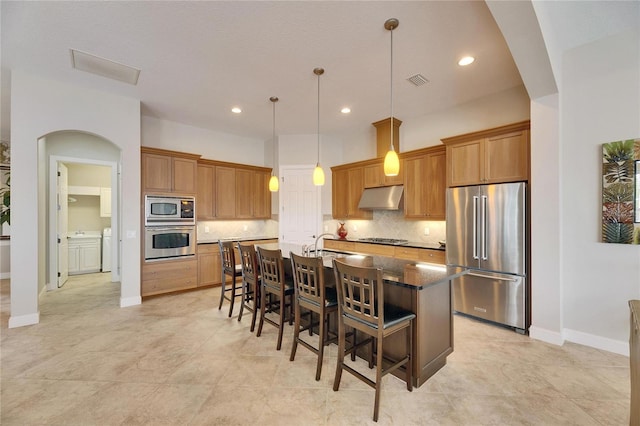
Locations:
(392, 241)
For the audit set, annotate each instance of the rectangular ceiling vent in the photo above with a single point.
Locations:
(104, 67)
(417, 80)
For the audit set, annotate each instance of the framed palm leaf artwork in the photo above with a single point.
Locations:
(621, 192)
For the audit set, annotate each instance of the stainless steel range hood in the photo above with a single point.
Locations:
(383, 198)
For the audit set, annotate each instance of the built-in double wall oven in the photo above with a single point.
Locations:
(170, 227)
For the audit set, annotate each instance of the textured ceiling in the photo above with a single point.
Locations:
(198, 59)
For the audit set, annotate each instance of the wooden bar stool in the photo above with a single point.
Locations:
(312, 294)
(250, 282)
(229, 268)
(361, 306)
(274, 283)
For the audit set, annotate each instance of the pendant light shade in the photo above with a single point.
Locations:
(391, 160)
(391, 163)
(274, 184)
(318, 173)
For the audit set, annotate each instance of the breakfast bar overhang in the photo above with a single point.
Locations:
(423, 288)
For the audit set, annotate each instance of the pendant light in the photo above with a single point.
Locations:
(391, 160)
(318, 173)
(274, 185)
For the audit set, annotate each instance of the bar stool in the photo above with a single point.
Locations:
(275, 283)
(312, 294)
(361, 306)
(250, 282)
(234, 271)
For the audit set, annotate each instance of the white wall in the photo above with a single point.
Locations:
(599, 103)
(211, 145)
(509, 106)
(546, 237)
(40, 107)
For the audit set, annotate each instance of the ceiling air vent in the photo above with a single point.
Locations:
(417, 80)
(107, 68)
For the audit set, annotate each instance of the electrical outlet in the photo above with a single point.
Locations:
(326, 228)
(355, 228)
(426, 231)
(206, 229)
(245, 227)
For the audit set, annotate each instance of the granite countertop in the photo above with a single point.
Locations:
(404, 273)
(214, 240)
(415, 244)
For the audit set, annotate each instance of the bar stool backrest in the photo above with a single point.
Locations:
(271, 268)
(249, 262)
(228, 257)
(360, 293)
(308, 278)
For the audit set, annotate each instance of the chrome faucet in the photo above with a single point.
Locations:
(315, 246)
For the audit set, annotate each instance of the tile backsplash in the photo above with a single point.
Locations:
(385, 224)
(390, 224)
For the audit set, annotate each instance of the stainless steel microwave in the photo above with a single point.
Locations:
(166, 210)
(163, 242)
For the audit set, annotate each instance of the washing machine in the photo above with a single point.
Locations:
(106, 250)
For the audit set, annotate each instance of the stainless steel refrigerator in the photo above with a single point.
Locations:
(486, 232)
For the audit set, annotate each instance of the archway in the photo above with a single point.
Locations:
(75, 148)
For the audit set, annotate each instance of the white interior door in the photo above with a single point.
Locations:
(63, 220)
(300, 216)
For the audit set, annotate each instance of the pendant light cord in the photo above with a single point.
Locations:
(273, 100)
(273, 137)
(391, 86)
(318, 144)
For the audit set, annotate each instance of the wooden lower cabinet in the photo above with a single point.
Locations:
(168, 276)
(209, 265)
(432, 328)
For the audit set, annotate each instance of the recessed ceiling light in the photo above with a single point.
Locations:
(345, 110)
(466, 61)
(87, 62)
(236, 110)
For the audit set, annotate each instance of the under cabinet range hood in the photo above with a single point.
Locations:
(382, 198)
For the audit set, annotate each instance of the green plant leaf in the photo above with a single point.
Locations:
(617, 193)
(618, 151)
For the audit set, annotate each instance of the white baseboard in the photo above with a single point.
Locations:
(5, 275)
(598, 342)
(22, 320)
(130, 301)
(548, 336)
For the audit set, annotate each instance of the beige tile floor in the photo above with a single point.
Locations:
(177, 360)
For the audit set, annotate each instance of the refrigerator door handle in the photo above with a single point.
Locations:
(483, 228)
(475, 227)
(493, 277)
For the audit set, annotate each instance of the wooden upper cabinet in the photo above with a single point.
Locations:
(374, 176)
(229, 191)
(489, 156)
(339, 194)
(347, 187)
(225, 192)
(168, 171)
(244, 194)
(261, 195)
(425, 184)
(156, 173)
(205, 205)
(185, 175)
(507, 157)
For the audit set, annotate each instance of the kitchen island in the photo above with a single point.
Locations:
(422, 288)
